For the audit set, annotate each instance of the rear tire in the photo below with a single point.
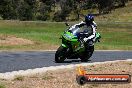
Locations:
(87, 54)
(60, 55)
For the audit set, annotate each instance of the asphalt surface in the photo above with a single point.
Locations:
(14, 61)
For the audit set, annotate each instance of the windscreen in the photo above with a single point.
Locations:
(74, 29)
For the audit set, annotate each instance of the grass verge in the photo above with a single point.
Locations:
(46, 34)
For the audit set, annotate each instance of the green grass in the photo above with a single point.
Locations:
(45, 34)
(40, 32)
(2, 86)
(115, 36)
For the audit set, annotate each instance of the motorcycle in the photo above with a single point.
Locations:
(71, 47)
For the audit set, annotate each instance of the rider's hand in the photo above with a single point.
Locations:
(85, 39)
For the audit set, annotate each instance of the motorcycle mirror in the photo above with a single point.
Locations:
(66, 24)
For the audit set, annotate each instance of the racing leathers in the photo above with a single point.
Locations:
(89, 33)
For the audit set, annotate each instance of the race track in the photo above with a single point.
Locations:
(23, 60)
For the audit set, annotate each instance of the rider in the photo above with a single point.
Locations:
(90, 32)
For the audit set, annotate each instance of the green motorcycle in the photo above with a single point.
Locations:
(71, 47)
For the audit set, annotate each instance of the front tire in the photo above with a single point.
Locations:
(60, 55)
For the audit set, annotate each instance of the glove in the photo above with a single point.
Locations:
(85, 39)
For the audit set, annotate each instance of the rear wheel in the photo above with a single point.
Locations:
(87, 54)
(60, 55)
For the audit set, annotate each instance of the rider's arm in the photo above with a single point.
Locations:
(95, 25)
(93, 34)
(80, 24)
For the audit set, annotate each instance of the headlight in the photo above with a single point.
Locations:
(67, 36)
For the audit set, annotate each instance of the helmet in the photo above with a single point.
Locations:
(89, 18)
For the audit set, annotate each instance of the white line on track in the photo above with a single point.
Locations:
(29, 72)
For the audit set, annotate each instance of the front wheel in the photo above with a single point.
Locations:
(60, 55)
(87, 54)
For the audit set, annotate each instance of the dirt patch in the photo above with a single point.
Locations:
(66, 78)
(6, 40)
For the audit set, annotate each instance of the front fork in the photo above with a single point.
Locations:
(69, 51)
(63, 45)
